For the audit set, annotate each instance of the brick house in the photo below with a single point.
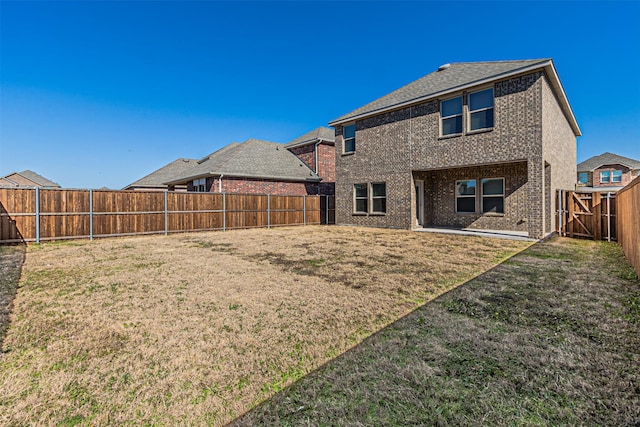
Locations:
(472, 145)
(607, 172)
(304, 166)
(26, 179)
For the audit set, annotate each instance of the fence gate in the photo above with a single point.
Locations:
(587, 215)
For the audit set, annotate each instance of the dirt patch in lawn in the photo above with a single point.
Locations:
(198, 328)
(550, 337)
(11, 260)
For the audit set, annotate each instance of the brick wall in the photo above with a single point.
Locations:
(558, 152)
(440, 210)
(326, 159)
(391, 146)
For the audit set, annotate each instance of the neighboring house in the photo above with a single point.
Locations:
(26, 179)
(156, 180)
(263, 167)
(479, 145)
(607, 172)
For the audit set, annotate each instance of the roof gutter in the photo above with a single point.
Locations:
(307, 142)
(229, 175)
(546, 65)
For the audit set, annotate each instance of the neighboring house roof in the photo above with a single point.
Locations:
(253, 158)
(173, 170)
(459, 76)
(595, 162)
(36, 179)
(321, 134)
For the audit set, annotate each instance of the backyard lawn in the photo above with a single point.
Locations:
(196, 329)
(550, 337)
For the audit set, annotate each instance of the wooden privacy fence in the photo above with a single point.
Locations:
(629, 222)
(34, 215)
(587, 215)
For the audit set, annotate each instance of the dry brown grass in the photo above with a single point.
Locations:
(198, 328)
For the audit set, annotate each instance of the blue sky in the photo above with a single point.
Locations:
(97, 93)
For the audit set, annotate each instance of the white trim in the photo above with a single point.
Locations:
(419, 187)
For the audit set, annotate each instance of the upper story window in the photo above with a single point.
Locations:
(349, 136)
(605, 177)
(451, 116)
(481, 110)
(200, 185)
(466, 196)
(583, 177)
(617, 176)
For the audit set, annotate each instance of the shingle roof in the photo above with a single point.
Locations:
(455, 77)
(607, 159)
(253, 158)
(39, 180)
(321, 133)
(157, 178)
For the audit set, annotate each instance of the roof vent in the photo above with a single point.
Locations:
(444, 67)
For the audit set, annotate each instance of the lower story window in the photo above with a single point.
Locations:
(199, 185)
(493, 195)
(370, 198)
(361, 198)
(379, 197)
(466, 196)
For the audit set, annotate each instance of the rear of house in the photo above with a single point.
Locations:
(473, 145)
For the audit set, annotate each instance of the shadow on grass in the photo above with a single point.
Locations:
(12, 258)
(550, 336)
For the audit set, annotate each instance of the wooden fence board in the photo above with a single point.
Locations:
(628, 222)
(64, 213)
(587, 215)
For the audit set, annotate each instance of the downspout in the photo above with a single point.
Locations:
(220, 183)
(316, 152)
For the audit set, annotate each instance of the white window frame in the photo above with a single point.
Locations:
(602, 175)
(613, 176)
(344, 139)
(467, 196)
(502, 195)
(372, 198)
(469, 111)
(443, 118)
(200, 185)
(356, 198)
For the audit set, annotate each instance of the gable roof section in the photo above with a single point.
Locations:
(253, 158)
(595, 162)
(166, 173)
(321, 134)
(457, 77)
(38, 180)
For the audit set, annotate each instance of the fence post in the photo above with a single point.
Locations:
(90, 214)
(304, 209)
(560, 212)
(37, 214)
(268, 210)
(326, 211)
(609, 216)
(224, 212)
(166, 213)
